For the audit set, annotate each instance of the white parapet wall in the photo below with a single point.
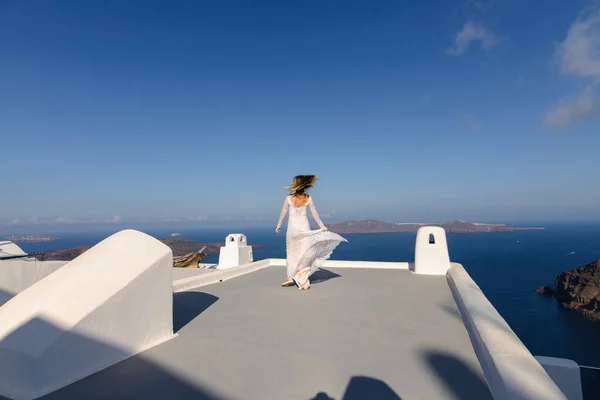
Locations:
(431, 251)
(17, 275)
(197, 278)
(565, 373)
(235, 252)
(112, 302)
(218, 275)
(351, 264)
(511, 371)
(9, 249)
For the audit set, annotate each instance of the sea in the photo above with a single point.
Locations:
(507, 266)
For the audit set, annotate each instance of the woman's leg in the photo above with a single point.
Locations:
(301, 278)
(291, 259)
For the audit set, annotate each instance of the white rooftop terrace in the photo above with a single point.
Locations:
(249, 338)
(402, 330)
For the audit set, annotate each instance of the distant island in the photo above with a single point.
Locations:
(578, 289)
(374, 226)
(180, 247)
(31, 239)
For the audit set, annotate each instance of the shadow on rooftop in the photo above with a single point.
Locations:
(134, 377)
(363, 387)
(457, 376)
(4, 297)
(452, 310)
(188, 305)
(323, 275)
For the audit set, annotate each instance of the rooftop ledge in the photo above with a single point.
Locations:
(386, 330)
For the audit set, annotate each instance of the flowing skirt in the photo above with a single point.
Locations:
(307, 251)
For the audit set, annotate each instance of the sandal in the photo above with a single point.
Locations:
(288, 283)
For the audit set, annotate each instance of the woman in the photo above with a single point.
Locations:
(306, 249)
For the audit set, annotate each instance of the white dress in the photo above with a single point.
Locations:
(306, 249)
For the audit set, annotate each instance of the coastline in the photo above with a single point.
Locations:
(179, 246)
(32, 239)
(375, 226)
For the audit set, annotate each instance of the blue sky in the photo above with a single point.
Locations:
(194, 113)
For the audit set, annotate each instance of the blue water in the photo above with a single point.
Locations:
(507, 266)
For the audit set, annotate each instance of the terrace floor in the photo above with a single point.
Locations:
(356, 334)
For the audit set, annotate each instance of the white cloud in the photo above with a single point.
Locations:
(64, 220)
(579, 56)
(579, 53)
(197, 218)
(569, 112)
(473, 32)
(30, 220)
(114, 220)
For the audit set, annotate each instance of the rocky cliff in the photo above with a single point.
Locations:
(578, 289)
